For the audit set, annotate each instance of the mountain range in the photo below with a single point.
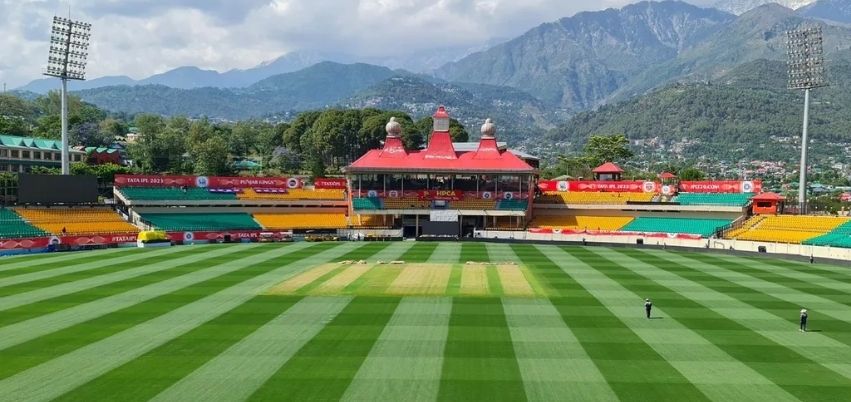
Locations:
(532, 83)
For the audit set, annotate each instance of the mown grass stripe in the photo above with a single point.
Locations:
(114, 262)
(830, 289)
(392, 253)
(830, 271)
(779, 304)
(479, 361)
(447, 253)
(76, 258)
(552, 362)
(34, 296)
(494, 282)
(39, 259)
(634, 371)
(453, 286)
(236, 373)
(694, 305)
(474, 252)
(326, 365)
(367, 250)
(406, 361)
(685, 349)
(52, 305)
(500, 252)
(33, 342)
(98, 358)
(420, 252)
(170, 362)
(381, 253)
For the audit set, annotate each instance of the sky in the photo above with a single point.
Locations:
(139, 38)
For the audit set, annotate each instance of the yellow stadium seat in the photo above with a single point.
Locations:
(295, 194)
(580, 222)
(594, 198)
(785, 228)
(77, 221)
(406, 203)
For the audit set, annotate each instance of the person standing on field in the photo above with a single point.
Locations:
(648, 305)
(803, 320)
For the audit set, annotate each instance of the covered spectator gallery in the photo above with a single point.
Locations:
(446, 191)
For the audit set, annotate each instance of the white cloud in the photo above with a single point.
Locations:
(139, 38)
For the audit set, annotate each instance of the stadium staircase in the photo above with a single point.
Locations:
(13, 226)
(786, 228)
(695, 226)
(77, 221)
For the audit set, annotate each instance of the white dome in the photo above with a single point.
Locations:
(393, 127)
(488, 129)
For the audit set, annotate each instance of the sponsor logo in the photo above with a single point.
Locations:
(563, 186)
(202, 181)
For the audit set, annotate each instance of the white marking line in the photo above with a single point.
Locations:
(62, 289)
(767, 324)
(29, 260)
(446, 253)
(95, 359)
(407, 359)
(628, 307)
(240, 370)
(26, 330)
(85, 266)
(552, 362)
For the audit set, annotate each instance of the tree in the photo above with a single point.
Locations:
(89, 134)
(211, 157)
(302, 123)
(613, 148)
(692, 174)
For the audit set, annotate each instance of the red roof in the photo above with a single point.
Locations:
(608, 167)
(667, 175)
(768, 197)
(440, 156)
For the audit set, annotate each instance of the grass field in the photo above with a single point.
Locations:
(525, 322)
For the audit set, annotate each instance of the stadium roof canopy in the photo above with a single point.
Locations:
(608, 167)
(29, 142)
(441, 154)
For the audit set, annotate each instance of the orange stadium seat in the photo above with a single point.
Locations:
(302, 220)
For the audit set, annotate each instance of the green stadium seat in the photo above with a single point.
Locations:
(201, 221)
(12, 226)
(839, 237)
(512, 205)
(367, 203)
(703, 227)
(727, 200)
(173, 194)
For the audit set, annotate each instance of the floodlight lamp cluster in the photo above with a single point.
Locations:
(69, 49)
(805, 53)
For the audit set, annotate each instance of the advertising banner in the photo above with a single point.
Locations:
(214, 236)
(725, 186)
(329, 184)
(446, 195)
(126, 180)
(252, 182)
(599, 186)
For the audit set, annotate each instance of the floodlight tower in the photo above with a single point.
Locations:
(806, 72)
(69, 47)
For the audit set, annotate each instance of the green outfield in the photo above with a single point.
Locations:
(449, 321)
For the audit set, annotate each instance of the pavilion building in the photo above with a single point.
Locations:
(440, 190)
